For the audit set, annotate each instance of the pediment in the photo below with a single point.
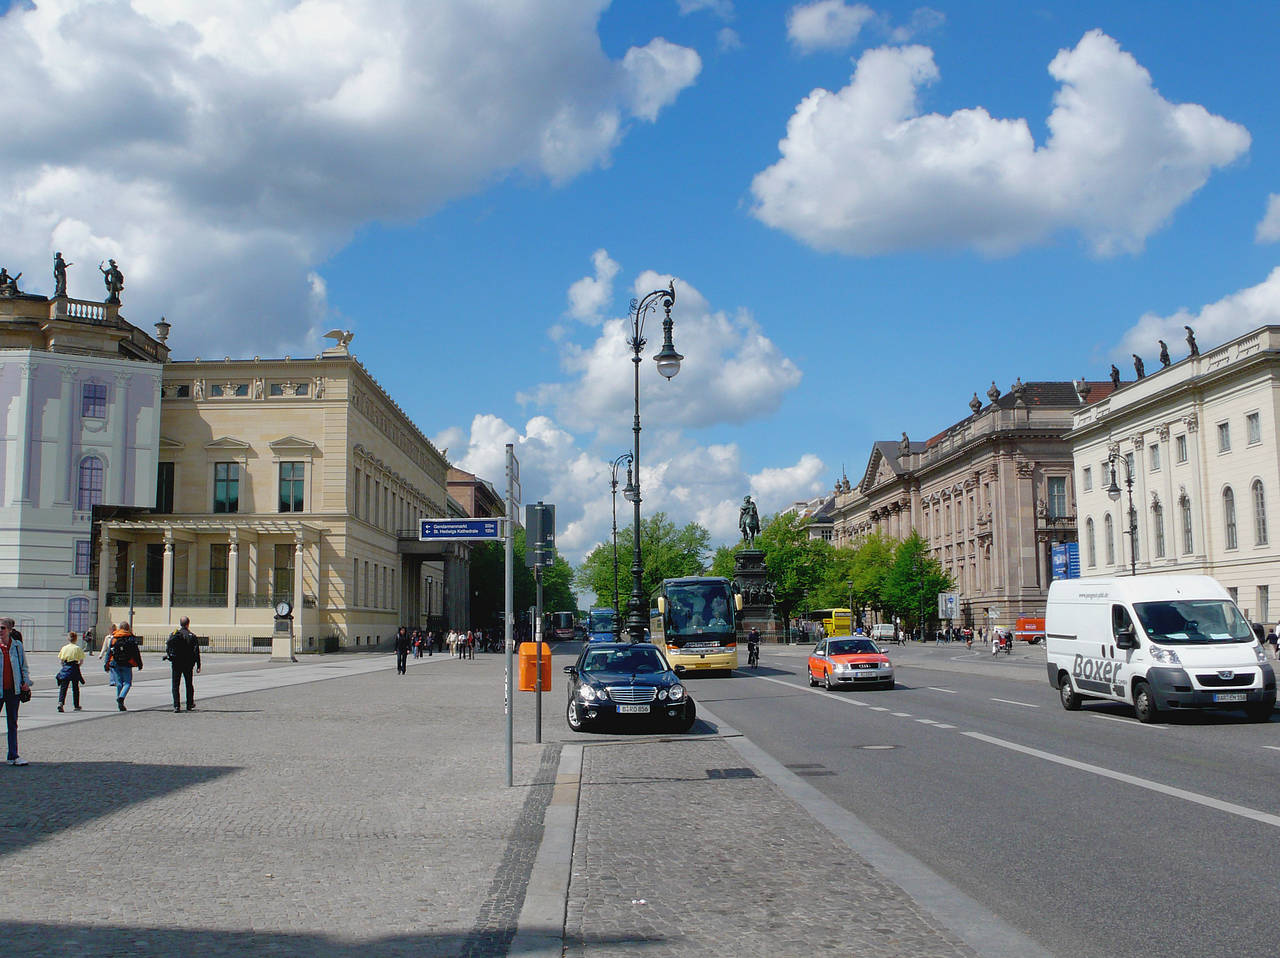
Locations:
(167, 443)
(294, 445)
(227, 444)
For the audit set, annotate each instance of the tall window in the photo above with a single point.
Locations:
(1229, 516)
(1091, 546)
(90, 488)
(291, 486)
(226, 487)
(1109, 539)
(164, 487)
(82, 557)
(1188, 545)
(93, 401)
(219, 561)
(282, 583)
(1155, 457)
(1057, 496)
(1253, 427)
(1157, 528)
(1224, 437)
(1264, 603)
(1180, 447)
(1259, 514)
(78, 615)
(1086, 479)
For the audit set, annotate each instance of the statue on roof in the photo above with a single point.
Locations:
(1115, 376)
(1164, 353)
(1191, 341)
(904, 447)
(8, 284)
(975, 403)
(60, 275)
(114, 280)
(994, 392)
(1138, 366)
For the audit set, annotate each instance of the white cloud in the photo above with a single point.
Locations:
(800, 481)
(864, 171)
(1214, 324)
(826, 24)
(923, 20)
(589, 295)
(732, 372)
(221, 152)
(1269, 228)
(721, 8)
(727, 40)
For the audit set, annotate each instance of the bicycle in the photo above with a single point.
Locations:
(753, 656)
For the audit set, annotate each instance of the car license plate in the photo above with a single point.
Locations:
(633, 709)
(1231, 697)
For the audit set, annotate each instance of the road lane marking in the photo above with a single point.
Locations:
(923, 721)
(901, 715)
(1025, 705)
(1275, 748)
(934, 688)
(877, 708)
(1129, 722)
(1172, 791)
(943, 725)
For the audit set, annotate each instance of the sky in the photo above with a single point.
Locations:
(869, 212)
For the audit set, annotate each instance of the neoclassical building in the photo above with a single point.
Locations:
(293, 479)
(990, 495)
(80, 392)
(1201, 440)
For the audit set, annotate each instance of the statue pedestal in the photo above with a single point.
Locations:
(752, 579)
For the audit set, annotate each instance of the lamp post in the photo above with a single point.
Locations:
(1113, 491)
(430, 589)
(628, 493)
(668, 361)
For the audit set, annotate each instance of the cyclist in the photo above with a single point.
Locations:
(753, 648)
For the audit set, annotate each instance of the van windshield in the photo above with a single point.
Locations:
(1196, 622)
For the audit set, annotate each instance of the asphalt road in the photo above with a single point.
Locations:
(1092, 833)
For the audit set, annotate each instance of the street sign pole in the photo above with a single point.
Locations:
(513, 476)
(537, 708)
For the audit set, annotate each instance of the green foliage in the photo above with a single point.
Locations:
(914, 580)
(667, 552)
(488, 575)
(871, 563)
(795, 562)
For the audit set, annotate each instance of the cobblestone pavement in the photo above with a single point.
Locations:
(682, 851)
(366, 814)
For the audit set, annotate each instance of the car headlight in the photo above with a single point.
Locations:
(676, 693)
(1164, 656)
(588, 693)
(1257, 650)
(662, 694)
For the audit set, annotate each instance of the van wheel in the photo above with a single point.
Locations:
(1066, 694)
(1144, 704)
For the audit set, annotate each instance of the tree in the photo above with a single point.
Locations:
(667, 552)
(872, 561)
(796, 563)
(915, 578)
(488, 581)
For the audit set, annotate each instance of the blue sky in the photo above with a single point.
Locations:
(986, 191)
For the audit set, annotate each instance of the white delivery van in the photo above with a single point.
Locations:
(883, 632)
(1156, 642)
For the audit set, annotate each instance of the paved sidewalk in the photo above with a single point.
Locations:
(333, 808)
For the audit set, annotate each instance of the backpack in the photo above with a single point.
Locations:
(124, 651)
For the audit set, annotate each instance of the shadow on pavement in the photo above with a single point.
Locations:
(35, 797)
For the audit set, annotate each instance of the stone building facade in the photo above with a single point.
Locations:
(80, 390)
(285, 479)
(990, 495)
(1201, 441)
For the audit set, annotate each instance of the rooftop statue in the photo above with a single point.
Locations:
(1191, 340)
(60, 275)
(114, 280)
(1164, 352)
(1138, 366)
(1115, 376)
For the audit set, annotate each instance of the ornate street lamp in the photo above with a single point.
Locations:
(668, 361)
(1113, 491)
(628, 493)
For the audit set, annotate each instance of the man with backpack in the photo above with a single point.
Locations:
(183, 652)
(123, 656)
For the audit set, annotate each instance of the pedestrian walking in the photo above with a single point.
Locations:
(471, 644)
(402, 650)
(16, 687)
(1273, 640)
(72, 657)
(183, 652)
(123, 657)
(88, 641)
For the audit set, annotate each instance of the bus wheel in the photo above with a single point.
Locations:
(1144, 704)
(1066, 694)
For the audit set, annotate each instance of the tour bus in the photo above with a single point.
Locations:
(1156, 642)
(601, 624)
(695, 621)
(560, 626)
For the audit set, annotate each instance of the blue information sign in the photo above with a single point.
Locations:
(1066, 560)
(460, 529)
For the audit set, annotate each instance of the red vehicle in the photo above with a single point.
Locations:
(1029, 629)
(850, 661)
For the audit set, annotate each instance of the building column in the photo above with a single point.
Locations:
(166, 578)
(297, 585)
(114, 493)
(1200, 507)
(104, 573)
(233, 575)
(20, 480)
(64, 486)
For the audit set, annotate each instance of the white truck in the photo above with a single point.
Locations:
(1156, 642)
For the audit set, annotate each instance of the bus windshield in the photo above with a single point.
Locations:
(600, 620)
(1194, 622)
(704, 608)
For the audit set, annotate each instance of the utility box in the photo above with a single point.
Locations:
(529, 667)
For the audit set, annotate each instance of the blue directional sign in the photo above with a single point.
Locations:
(1066, 560)
(460, 529)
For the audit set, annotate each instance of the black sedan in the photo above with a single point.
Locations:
(621, 682)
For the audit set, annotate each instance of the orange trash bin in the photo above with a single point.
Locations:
(529, 667)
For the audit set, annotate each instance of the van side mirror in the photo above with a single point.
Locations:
(662, 605)
(1125, 639)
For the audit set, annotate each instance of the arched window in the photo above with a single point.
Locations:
(1091, 546)
(1229, 516)
(1109, 539)
(1259, 514)
(1157, 528)
(90, 487)
(1188, 544)
(78, 615)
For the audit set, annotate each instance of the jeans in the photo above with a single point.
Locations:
(122, 679)
(402, 660)
(181, 672)
(11, 712)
